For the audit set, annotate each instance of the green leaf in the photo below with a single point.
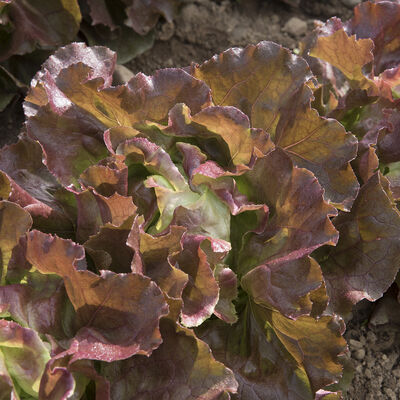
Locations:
(24, 355)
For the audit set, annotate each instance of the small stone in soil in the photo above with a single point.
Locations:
(359, 354)
(371, 337)
(295, 26)
(355, 344)
(391, 395)
(167, 31)
(396, 372)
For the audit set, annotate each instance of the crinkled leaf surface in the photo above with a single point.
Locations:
(95, 210)
(155, 252)
(370, 41)
(104, 105)
(181, 368)
(269, 84)
(38, 304)
(380, 22)
(155, 95)
(366, 260)
(201, 212)
(299, 217)
(108, 248)
(63, 380)
(388, 148)
(118, 313)
(345, 53)
(228, 291)
(272, 285)
(322, 367)
(15, 223)
(70, 138)
(259, 80)
(22, 162)
(226, 123)
(199, 200)
(266, 350)
(108, 177)
(57, 383)
(34, 188)
(324, 147)
(141, 98)
(200, 294)
(43, 87)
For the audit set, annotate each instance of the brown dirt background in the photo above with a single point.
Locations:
(206, 27)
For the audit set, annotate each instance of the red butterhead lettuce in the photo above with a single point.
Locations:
(204, 215)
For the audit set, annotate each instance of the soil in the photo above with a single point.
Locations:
(206, 27)
(373, 336)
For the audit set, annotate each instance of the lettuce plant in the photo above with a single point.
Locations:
(125, 26)
(196, 234)
(26, 25)
(31, 30)
(357, 65)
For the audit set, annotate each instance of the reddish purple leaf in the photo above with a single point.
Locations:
(181, 368)
(118, 314)
(300, 217)
(366, 260)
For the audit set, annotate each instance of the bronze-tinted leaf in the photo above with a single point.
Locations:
(108, 177)
(367, 258)
(108, 248)
(380, 22)
(40, 304)
(200, 295)
(259, 80)
(7, 390)
(346, 53)
(155, 252)
(95, 210)
(299, 217)
(272, 285)
(228, 292)
(182, 368)
(43, 88)
(266, 350)
(70, 142)
(324, 147)
(226, 124)
(269, 84)
(34, 188)
(15, 222)
(118, 314)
